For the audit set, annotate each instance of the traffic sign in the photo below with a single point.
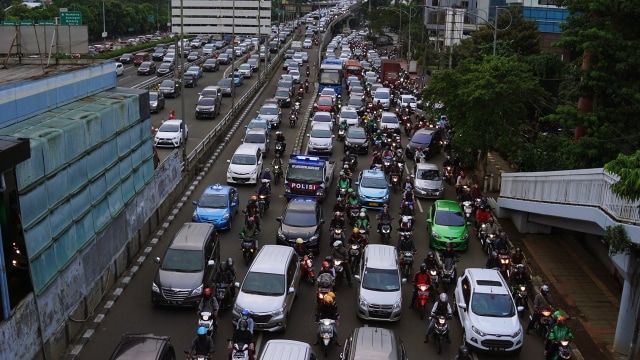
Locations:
(71, 18)
(46, 22)
(150, 18)
(26, 22)
(12, 23)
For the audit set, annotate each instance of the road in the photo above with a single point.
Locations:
(133, 312)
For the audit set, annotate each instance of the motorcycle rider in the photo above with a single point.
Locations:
(266, 175)
(343, 183)
(347, 171)
(461, 182)
(280, 139)
(405, 243)
(277, 161)
(224, 276)
(352, 198)
(493, 261)
(246, 316)
(363, 221)
(208, 303)
(327, 268)
(338, 207)
(251, 212)
(517, 257)
(420, 277)
(475, 191)
(251, 230)
(328, 310)
(482, 216)
(242, 335)
(265, 190)
(449, 253)
(202, 344)
(408, 184)
(440, 308)
(376, 159)
(341, 253)
(232, 269)
(300, 248)
(560, 331)
(337, 221)
(463, 353)
(395, 171)
(518, 276)
(543, 300)
(357, 238)
(430, 261)
(502, 244)
(491, 228)
(383, 215)
(447, 162)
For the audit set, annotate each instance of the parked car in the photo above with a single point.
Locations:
(171, 134)
(147, 68)
(156, 101)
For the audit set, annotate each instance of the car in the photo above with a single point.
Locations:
(297, 57)
(144, 346)
(119, 68)
(126, 58)
(225, 85)
(382, 95)
(302, 218)
(170, 88)
(207, 107)
(224, 59)
(258, 123)
(254, 63)
(350, 115)
(356, 140)
(324, 103)
(307, 44)
(426, 139)
(284, 97)
(271, 113)
(286, 77)
(289, 54)
(211, 65)
(169, 57)
(373, 188)
(285, 64)
(305, 57)
(238, 51)
(323, 117)
(158, 54)
(165, 69)
(193, 56)
(196, 70)
(356, 91)
(237, 78)
(218, 205)
(320, 139)
(352, 81)
(245, 70)
(357, 104)
(428, 181)
(171, 134)
(446, 224)
(156, 101)
(370, 342)
(258, 137)
(211, 91)
(329, 92)
(288, 84)
(296, 76)
(147, 68)
(409, 100)
(388, 120)
(196, 43)
(245, 166)
(487, 312)
(208, 49)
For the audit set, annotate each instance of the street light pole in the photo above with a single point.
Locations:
(104, 25)
(495, 32)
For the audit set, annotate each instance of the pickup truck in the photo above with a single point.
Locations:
(308, 176)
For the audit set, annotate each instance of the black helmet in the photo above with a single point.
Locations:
(423, 268)
(329, 259)
(463, 351)
(430, 255)
(223, 266)
(494, 254)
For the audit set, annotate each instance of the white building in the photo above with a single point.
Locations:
(220, 16)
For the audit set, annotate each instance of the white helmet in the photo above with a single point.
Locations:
(405, 219)
(337, 243)
(443, 297)
(362, 214)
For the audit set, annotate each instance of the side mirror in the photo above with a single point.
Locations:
(211, 263)
(279, 219)
(236, 284)
(357, 182)
(463, 306)
(228, 161)
(234, 204)
(292, 290)
(468, 223)
(429, 221)
(321, 221)
(309, 135)
(156, 260)
(404, 281)
(333, 136)
(357, 277)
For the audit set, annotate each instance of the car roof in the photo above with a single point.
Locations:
(277, 259)
(247, 149)
(169, 122)
(373, 174)
(322, 125)
(191, 235)
(325, 97)
(424, 131)
(380, 256)
(447, 205)
(217, 189)
(373, 343)
(426, 166)
(305, 204)
(487, 280)
(348, 108)
(259, 131)
(355, 128)
(132, 346)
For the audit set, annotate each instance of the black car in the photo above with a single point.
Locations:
(358, 104)
(211, 65)
(283, 95)
(224, 59)
(170, 88)
(356, 141)
(190, 80)
(273, 47)
(147, 68)
(126, 58)
(165, 68)
(207, 107)
(193, 56)
(158, 54)
(302, 218)
(427, 139)
(156, 101)
(225, 86)
(144, 346)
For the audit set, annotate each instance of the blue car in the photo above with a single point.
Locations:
(195, 70)
(218, 205)
(258, 123)
(373, 189)
(238, 79)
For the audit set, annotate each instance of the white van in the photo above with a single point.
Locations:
(384, 96)
(380, 290)
(246, 165)
(287, 349)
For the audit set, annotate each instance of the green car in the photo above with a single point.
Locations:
(446, 223)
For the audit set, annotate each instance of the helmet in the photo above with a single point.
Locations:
(230, 262)
(243, 324)
(325, 265)
(337, 213)
(329, 259)
(449, 246)
(491, 220)
(346, 166)
(494, 254)
(342, 173)
(350, 190)
(362, 214)
(364, 210)
(430, 255)
(278, 132)
(202, 330)
(423, 268)
(463, 351)
(544, 289)
(518, 251)
(356, 230)
(327, 299)
(267, 170)
(331, 294)
(443, 297)
(337, 243)
(299, 241)
(246, 312)
(223, 266)
(520, 267)
(251, 220)
(207, 292)
(375, 153)
(385, 206)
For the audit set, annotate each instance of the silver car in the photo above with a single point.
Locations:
(428, 181)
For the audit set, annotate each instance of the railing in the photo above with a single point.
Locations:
(586, 187)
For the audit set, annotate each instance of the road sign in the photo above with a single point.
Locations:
(12, 23)
(150, 18)
(26, 22)
(46, 22)
(71, 18)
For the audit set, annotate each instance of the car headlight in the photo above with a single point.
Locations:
(435, 235)
(478, 331)
(237, 309)
(155, 288)
(386, 197)
(347, 143)
(313, 238)
(278, 312)
(281, 235)
(254, 171)
(225, 217)
(363, 303)
(398, 304)
(197, 291)
(194, 216)
(517, 333)
(465, 236)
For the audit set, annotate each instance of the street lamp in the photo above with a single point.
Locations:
(104, 26)
(410, 14)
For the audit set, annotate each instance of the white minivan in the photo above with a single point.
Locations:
(245, 165)
(384, 96)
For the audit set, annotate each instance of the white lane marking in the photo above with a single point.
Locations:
(419, 205)
(256, 349)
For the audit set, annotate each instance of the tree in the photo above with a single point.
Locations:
(486, 101)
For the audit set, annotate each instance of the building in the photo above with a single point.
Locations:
(223, 17)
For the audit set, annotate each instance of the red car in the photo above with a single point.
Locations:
(324, 103)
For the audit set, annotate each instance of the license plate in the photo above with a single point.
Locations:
(380, 312)
(496, 349)
(373, 204)
(423, 293)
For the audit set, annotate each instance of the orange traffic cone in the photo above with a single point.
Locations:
(172, 115)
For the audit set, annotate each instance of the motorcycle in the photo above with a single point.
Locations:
(422, 299)
(207, 320)
(505, 263)
(248, 248)
(306, 86)
(354, 257)
(338, 266)
(239, 351)
(467, 207)
(448, 273)
(385, 231)
(542, 325)
(406, 263)
(441, 332)
(279, 148)
(337, 234)
(308, 72)
(196, 357)
(296, 107)
(353, 162)
(354, 210)
(521, 295)
(222, 296)
(325, 286)
(262, 204)
(395, 183)
(292, 120)
(434, 275)
(386, 164)
(407, 208)
(341, 134)
(307, 269)
(448, 174)
(564, 351)
(326, 334)
(277, 174)
(489, 243)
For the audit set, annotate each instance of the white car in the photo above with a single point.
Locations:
(487, 312)
(320, 139)
(350, 115)
(295, 74)
(286, 77)
(258, 137)
(271, 113)
(170, 134)
(322, 117)
(409, 100)
(246, 165)
(307, 44)
(245, 70)
(305, 57)
(297, 57)
(119, 68)
(388, 120)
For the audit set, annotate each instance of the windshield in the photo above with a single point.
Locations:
(449, 218)
(254, 139)
(330, 78)
(245, 67)
(210, 62)
(183, 260)
(167, 83)
(194, 69)
(263, 284)
(282, 93)
(386, 280)
(243, 159)
(493, 305)
(153, 96)
(226, 83)
(328, 92)
(321, 133)
(374, 182)
(214, 201)
(357, 134)
(357, 90)
(285, 83)
(325, 101)
(207, 101)
(257, 125)
(322, 118)
(305, 173)
(169, 128)
(164, 66)
(294, 73)
(408, 100)
(389, 119)
(433, 175)
(421, 138)
(382, 95)
(269, 111)
(355, 102)
(299, 218)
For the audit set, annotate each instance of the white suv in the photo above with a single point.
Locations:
(488, 315)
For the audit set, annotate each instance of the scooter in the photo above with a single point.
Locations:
(239, 351)
(339, 268)
(248, 248)
(354, 210)
(467, 207)
(262, 204)
(207, 320)
(326, 334)
(520, 298)
(279, 149)
(277, 174)
(564, 351)
(505, 263)
(542, 325)
(448, 273)
(341, 134)
(292, 120)
(307, 269)
(435, 278)
(406, 263)
(337, 235)
(395, 183)
(196, 357)
(354, 257)
(422, 299)
(222, 296)
(441, 332)
(385, 231)
(447, 173)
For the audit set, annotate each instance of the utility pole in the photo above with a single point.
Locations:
(181, 69)
(495, 32)
(453, 23)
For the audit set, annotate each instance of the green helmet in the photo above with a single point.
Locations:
(350, 190)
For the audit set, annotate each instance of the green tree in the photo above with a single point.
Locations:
(486, 101)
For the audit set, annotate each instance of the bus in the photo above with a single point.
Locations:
(353, 68)
(331, 75)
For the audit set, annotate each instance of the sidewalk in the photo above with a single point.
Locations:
(581, 285)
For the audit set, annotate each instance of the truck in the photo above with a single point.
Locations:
(390, 71)
(296, 45)
(308, 176)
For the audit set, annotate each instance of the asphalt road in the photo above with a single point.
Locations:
(133, 312)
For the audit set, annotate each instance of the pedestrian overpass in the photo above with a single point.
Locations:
(578, 200)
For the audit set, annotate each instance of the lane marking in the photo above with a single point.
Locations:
(258, 343)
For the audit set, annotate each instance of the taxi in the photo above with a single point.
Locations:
(218, 205)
